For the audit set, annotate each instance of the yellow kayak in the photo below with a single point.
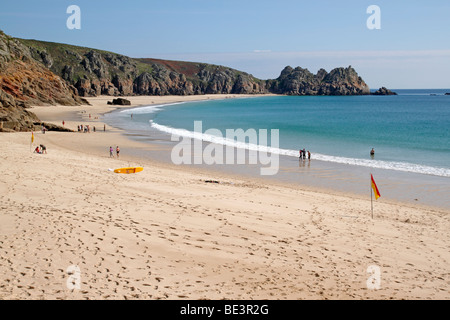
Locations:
(129, 170)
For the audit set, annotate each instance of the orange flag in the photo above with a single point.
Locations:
(32, 137)
(375, 188)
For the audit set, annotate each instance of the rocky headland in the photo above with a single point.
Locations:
(299, 81)
(39, 73)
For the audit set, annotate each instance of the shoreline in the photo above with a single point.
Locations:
(410, 188)
(164, 233)
(100, 108)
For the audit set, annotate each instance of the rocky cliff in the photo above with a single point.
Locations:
(25, 82)
(94, 72)
(299, 81)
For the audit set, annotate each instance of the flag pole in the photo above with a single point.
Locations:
(371, 198)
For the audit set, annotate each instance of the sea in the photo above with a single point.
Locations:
(410, 133)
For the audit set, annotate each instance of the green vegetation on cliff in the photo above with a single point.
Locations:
(93, 72)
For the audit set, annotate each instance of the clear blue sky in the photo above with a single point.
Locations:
(411, 50)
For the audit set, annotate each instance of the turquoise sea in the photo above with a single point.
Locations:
(410, 132)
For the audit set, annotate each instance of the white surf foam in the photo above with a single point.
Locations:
(148, 109)
(389, 165)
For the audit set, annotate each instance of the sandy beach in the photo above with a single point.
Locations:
(70, 228)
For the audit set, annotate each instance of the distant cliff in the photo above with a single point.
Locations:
(95, 72)
(299, 81)
(37, 72)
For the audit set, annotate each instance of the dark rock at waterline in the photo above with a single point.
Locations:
(120, 102)
(383, 91)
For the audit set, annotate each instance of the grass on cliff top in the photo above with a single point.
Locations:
(53, 48)
(65, 54)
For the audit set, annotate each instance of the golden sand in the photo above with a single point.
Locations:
(164, 233)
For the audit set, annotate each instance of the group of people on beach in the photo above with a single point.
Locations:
(85, 128)
(40, 149)
(111, 152)
(302, 153)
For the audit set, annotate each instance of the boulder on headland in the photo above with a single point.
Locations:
(383, 91)
(120, 102)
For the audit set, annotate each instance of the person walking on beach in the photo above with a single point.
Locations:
(117, 152)
(104, 127)
(111, 155)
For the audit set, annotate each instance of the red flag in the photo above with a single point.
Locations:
(375, 188)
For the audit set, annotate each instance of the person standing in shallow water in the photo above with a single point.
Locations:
(117, 151)
(372, 153)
